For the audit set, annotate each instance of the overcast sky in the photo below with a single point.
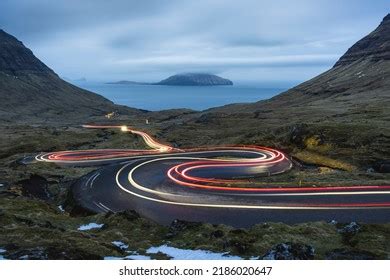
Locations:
(254, 40)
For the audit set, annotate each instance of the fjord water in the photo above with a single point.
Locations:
(156, 97)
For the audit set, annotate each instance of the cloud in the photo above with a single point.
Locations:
(227, 62)
(150, 39)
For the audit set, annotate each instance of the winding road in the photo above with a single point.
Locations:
(211, 185)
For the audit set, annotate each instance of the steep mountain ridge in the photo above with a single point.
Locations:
(31, 91)
(16, 59)
(375, 46)
(353, 76)
(346, 106)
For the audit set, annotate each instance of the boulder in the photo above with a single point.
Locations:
(36, 186)
(350, 229)
(178, 226)
(382, 167)
(290, 251)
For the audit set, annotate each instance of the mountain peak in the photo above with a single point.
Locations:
(374, 47)
(16, 59)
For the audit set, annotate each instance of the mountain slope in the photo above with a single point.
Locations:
(375, 46)
(29, 90)
(346, 107)
(364, 68)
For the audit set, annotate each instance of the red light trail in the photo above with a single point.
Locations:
(228, 175)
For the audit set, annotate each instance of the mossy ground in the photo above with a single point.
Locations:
(28, 223)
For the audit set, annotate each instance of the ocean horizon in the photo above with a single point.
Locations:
(161, 97)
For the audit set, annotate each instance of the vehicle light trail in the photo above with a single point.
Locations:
(203, 178)
(90, 156)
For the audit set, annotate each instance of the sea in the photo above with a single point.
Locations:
(156, 97)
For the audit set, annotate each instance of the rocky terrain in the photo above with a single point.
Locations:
(195, 79)
(335, 126)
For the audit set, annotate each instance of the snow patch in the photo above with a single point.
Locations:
(186, 254)
(360, 74)
(110, 258)
(128, 257)
(174, 253)
(120, 245)
(61, 208)
(90, 226)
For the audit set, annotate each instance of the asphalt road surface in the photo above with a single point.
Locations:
(212, 185)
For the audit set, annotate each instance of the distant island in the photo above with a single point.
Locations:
(185, 79)
(195, 79)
